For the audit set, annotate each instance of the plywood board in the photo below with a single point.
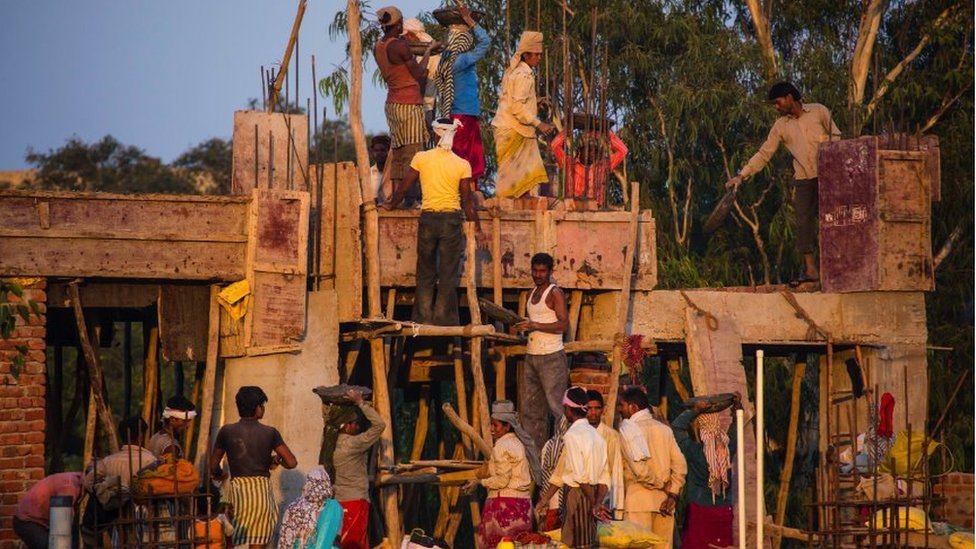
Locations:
(849, 216)
(122, 236)
(277, 264)
(269, 142)
(340, 262)
(183, 316)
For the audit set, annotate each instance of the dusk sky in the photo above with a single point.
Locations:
(162, 76)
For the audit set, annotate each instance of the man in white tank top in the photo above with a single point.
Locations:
(546, 374)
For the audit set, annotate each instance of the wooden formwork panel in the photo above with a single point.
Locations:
(122, 236)
(339, 248)
(875, 217)
(588, 248)
(270, 152)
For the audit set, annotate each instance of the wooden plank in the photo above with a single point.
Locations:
(623, 305)
(277, 262)
(209, 382)
(133, 259)
(119, 295)
(341, 236)
(183, 313)
(281, 144)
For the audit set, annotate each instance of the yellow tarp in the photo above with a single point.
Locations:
(234, 299)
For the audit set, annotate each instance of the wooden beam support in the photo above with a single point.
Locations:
(96, 379)
(623, 306)
(575, 305)
(209, 381)
(467, 429)
(799, 369)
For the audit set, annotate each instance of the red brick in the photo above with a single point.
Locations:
(31, 415)
(15, 450)
(12, 463)
(33, 438)
(10, 439)
(34, 391)
(36, 474)
(7, 391)
(34, 461)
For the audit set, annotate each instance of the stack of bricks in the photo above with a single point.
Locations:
(21, 410)
(956, 489)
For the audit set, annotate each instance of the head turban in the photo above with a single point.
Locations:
(445, 128)
(389, 15)
(504, 411)
(416, 26)
(529, 42)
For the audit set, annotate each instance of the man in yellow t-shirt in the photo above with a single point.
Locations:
(445, 179)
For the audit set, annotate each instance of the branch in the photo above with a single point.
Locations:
(947, 102)
(901, 66)
(761, 22)
(867, 33)
(947, 246)
(662, 127)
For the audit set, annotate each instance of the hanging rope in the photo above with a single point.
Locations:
(710, 319)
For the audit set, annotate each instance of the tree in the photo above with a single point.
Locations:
(106, 166)
(209, 163)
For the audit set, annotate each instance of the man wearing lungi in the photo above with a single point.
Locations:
(656, 468)
(546, 374)
(802, 127)
(356, 438)
(708, 518)
(516, 122)
(594, 415)
(457, 85)
(582, 471)
(404, 78)
(253, 450)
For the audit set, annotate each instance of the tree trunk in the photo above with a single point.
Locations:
(867, 33)
(764, 37)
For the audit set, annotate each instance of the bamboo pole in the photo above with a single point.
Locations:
(575, 304)
(462, 394)
(90, 423)
(470, 270)
(499, 363)
(209, 381)
(623, 305)
(760, 449)
(282, 74)
(496, 260)
(467, 429)
(150, 375)
(674, 370)
(95, 376)
(784, 484)
(596, 345)
(423, 420)
(740, 471)
(381, 392)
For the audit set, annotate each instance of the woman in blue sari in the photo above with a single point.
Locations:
(313, 520)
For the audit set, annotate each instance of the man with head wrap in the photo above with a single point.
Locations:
(583, 472)
(404, 78)
(312, 520)
(516, 122)
(513, 469)
(415, 33)
(588, 170)
(177, 415)
(457, 86)
(655, 469)
(357, 435)
(445, 179)
(708, 517)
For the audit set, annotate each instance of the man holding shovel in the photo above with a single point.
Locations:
(802, 127)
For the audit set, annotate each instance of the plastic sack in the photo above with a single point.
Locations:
(167, 476)
(897, 461)
(623, 534)
(961, 540)
(910, 518)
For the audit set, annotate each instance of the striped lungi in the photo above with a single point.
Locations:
(520, 166)
(407, 124)
(579, 527)
(255, 509)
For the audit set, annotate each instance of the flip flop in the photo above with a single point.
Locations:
(803, 279)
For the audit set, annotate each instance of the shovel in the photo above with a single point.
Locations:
(721, 211)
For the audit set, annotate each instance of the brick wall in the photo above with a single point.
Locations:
(21, 413)
(957, 491)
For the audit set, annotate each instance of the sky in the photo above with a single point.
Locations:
(162, 76)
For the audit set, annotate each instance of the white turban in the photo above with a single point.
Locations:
(178, 414)
(416, 26)
(445, 130)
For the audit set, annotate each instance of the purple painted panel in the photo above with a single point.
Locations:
(847, 173)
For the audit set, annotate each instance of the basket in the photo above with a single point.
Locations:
(337, 393)
(717, 403)
(450, 16)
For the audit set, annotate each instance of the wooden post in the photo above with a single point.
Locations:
(462, 394)
(623, 306)
(674, 370)
(150, 379)
(470, 271)
(575, 304)
(476, 438)
(784, 484)
(283, 73)
(381, 392)
(423, 420)
(496, 259)
(500, 364)
(195, 399)
(209, 380)
(90, 424)
(94, 371)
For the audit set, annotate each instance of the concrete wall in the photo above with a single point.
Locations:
(288, 380)
(22, 420)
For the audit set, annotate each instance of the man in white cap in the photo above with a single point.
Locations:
(445, 179)
(516, 122)
(404, 78)
(177, 416)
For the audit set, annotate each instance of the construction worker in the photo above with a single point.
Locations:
(177, 416)
(404, 78)
(802, 127)
(31, 519)
(594, 415)
(356, 437)
(516, 122)
(588, 170)
(446, 181)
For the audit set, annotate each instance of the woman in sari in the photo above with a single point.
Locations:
(313, 520)
(513, 469)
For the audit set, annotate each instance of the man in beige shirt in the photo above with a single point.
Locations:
(594, 415)
(802, 127)
(653, 483)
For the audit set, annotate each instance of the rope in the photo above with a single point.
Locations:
(802, 314)
(710, 319)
